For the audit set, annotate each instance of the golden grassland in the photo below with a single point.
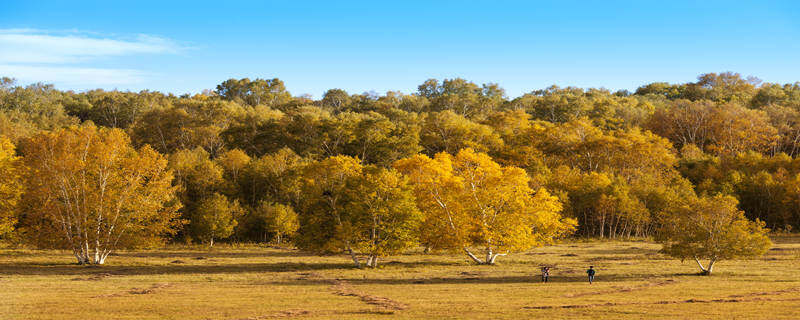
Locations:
(252, 282)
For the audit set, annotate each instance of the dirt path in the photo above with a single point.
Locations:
(341, 288)
(134, 291)
(280, 314)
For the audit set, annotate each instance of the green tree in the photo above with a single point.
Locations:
(198, 178)
(449, 132)
(215, 218)
(462, 97)
(347, 207)
(267, 92)
(335, 99)
(722, 87)
(388, 219)
(325, 224)
(271, 178)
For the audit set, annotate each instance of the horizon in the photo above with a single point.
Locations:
(365, 47)
(16, 82)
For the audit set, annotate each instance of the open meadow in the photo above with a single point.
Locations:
(250, 282)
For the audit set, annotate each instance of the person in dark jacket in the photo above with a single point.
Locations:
(590, 272)
(545, 273)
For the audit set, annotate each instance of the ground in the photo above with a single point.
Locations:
(251, 282)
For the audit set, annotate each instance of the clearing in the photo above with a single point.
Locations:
(251, 282)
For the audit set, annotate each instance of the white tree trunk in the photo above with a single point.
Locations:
(706, 270)
(494, 257)
(372, 261)
(104, 256)
(353, 255)
(87, 255)
(711, 265)
(473, 257)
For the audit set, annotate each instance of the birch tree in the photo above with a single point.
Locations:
(713, 229)
(279, 219)
(471, 201)
(89, 191)
(387, 217)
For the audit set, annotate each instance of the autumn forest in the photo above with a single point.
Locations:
(453, 166)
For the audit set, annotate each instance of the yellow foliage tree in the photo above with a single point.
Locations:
(279, 219)
(11, 170)
(469, 200)
(233, 162)
(90, 191)
(712, 228)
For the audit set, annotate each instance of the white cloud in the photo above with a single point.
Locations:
(75, 76)
(65, 57)
(32, 46)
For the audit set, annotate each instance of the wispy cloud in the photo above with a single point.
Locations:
(65, 57)
(75, 76)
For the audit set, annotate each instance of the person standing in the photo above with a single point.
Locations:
(545, 274)
(590, 272)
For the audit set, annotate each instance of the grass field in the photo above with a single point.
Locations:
(633, 281)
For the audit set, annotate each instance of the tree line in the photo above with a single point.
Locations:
(453, 166)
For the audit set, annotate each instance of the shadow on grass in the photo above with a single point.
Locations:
(532, 279)
(620, 251)
(213, 254)
(55, 269)
(785, 239)
(130, 270)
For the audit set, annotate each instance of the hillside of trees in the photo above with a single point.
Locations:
(361, 173)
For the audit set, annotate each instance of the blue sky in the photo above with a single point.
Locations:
(185, 47)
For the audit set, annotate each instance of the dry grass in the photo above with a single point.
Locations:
(633, 281)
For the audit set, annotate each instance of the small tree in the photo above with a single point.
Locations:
(388, 219)
(279, 219)
(215, 218)
(712, 228)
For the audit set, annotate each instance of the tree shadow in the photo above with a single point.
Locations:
(50, 269)
(532, 279)
(213, 254)
(785, 239)
(620, 251)
(129, 270)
